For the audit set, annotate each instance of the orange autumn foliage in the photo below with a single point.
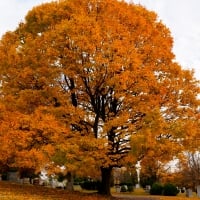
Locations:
(85, 76)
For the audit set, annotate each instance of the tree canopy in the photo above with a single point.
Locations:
(80, 79)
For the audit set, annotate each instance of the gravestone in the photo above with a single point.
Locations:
(118, 188)
(147, 188)
(188, 192)
(13, 176)
(26, 180)
(198, 190)
(36, 181)
(137, 186)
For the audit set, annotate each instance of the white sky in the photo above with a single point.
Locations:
(182, 17)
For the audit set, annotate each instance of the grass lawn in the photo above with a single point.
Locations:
(13, 191)
(140, 194)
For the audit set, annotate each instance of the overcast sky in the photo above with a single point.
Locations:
(182, 17)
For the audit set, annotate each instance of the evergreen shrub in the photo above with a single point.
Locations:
(156, 189)
(170, 190)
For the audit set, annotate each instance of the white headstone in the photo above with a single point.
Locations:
(147, 188)
(198, 190)
(118, 188)
(189, 192)
(137, 185)
(26, 180)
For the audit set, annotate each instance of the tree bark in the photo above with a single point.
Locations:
(105, 181)
(70, 182)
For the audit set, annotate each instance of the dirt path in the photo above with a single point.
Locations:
(132, 197)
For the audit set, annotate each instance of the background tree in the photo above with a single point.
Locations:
(189, 170)
(96, 70)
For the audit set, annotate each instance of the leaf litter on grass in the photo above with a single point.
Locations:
(14, 191)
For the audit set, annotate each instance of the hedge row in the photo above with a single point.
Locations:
(167, 190)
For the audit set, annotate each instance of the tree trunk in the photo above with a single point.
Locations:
(105, 181)
(70, 182)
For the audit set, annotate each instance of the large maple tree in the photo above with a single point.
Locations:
(85, 75)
